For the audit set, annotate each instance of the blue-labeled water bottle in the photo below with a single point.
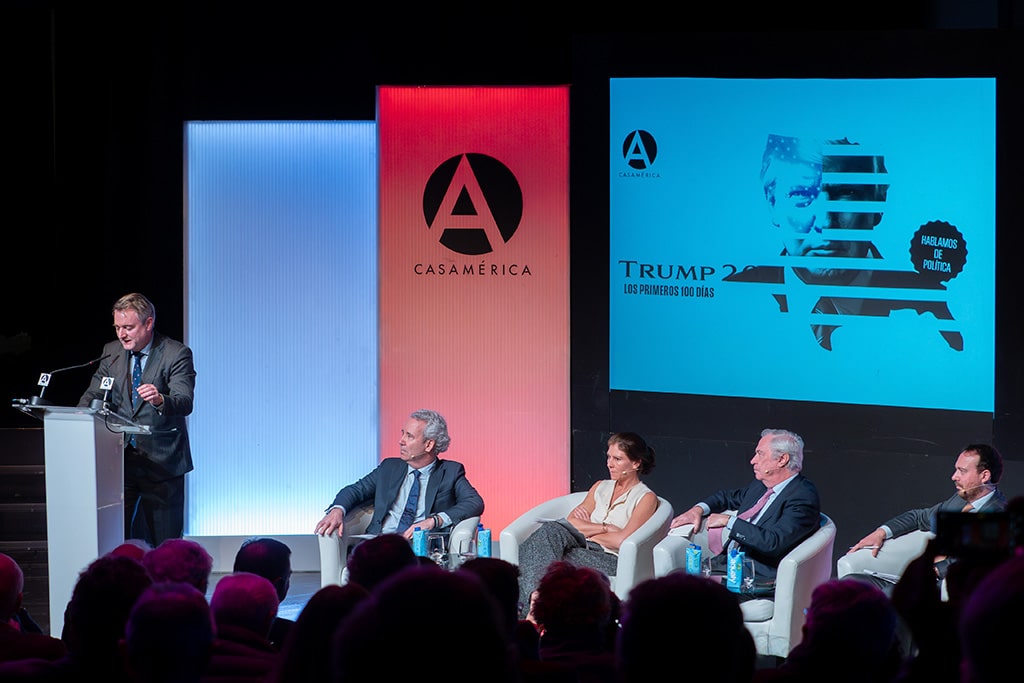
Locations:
(419, 542)
(483, 541)
(693, 556)
(734, 570)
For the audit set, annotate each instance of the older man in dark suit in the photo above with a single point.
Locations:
(777, 510)
(153, 383)
(415, 489)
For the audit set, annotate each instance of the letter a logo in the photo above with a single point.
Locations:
(639, 149)
(473, 203)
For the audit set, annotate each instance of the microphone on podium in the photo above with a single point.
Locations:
(99, 404)
(44, 380)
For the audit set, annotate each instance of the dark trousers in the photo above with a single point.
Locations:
(154, 508)
(553, 541)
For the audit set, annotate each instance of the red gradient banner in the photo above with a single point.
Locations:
(474, 281)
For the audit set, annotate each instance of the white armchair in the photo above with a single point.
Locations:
(636, 561)
(334, 550)
(776, 624)
(893, 557)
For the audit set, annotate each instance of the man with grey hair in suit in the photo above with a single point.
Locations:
(778, 509)
(417, 488)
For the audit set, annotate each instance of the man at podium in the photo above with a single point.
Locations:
(152, 381)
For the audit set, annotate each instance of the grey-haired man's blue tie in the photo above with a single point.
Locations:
(409, 513)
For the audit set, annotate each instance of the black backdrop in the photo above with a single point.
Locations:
(94, 106)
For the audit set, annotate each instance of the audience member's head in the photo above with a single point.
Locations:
(168, 635)
(850, 634)
(269, 558)
(134, 548)
(721, 647)
(96, 615)
(12, 586)
(502, 579)
(180, 560)
(572, 600)
(452, 606)
(306, 655)
(378, 558)
(990, 624)
(245, 601)
(843, 607)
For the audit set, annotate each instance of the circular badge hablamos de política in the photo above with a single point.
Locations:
(938, 251)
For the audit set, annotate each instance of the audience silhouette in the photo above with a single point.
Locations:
(271, 559)
(17, 641)
(168, 635)
(418, 615)
(376, 559)
(243, 606)
(306, 654)
(180, 560)
(849, 635)
(932, 620)
(989, 624)
(94, 625)
(502, 579)
(135, 548)
(712, 644)
(574, 610)
(142, 616)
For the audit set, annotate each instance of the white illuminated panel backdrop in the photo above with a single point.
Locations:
(281, 314)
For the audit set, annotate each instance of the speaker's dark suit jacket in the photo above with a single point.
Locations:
(794, 515)
(923, 519)
(169, 368)
(448, 491)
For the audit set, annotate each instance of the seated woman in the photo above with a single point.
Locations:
(591, 533)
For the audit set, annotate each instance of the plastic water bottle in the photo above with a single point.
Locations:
(483, 541)
(693, 559)
(419, 542)
(734, 570)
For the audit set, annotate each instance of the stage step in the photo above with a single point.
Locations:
(23, 515)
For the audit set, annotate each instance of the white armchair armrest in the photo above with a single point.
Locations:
(636, 559)
(524, 525)
(334, 550)
(636, 554)
(670, 552)
(892, 559)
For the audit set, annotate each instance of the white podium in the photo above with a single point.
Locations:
(84, 461)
